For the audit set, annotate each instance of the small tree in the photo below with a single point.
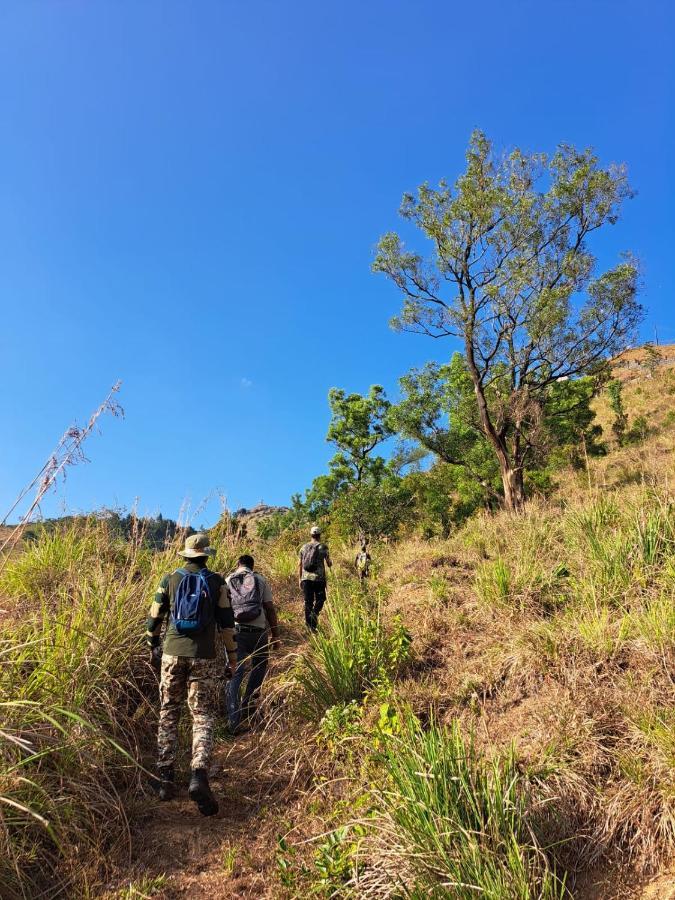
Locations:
(357, 427)
(372, 509)
(359, 424)
(512, 277)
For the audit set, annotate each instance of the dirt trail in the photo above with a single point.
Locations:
(225, 855)
(231, 854)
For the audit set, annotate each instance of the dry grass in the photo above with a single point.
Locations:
(552, 632)
(556, 630)
(73, 682)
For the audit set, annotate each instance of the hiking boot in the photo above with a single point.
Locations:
(167, 788)
(200, 793)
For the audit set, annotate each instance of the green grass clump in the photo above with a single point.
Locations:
(459, 823)
(282, 562)
(494, 582)
(352, 653)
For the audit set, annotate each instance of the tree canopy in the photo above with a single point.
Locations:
(511, 274)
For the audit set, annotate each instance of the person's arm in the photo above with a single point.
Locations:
(300, 568)
(329, 562)
(271, 613)
(158, 612)
(225, 623)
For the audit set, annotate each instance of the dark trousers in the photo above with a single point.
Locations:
(315, 597)
(252, 657)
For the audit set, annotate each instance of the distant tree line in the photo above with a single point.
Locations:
(155, 532)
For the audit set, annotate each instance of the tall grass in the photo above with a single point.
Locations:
(458, 821)
(72, 677)
(353, 652)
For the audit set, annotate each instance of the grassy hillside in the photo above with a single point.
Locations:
(492, 717)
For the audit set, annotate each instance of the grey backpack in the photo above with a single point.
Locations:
(311, 557)
(245, 596)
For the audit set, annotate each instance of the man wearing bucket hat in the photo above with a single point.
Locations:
(195, 600)
(314, 557)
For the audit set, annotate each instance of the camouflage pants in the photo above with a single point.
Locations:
(196, 679)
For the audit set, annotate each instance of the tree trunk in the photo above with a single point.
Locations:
(512, 475)
(514, 487)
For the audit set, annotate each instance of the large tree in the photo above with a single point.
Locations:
(512, 276)
(438, 410)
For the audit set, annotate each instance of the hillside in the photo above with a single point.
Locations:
(636, 362)
(250, 519)
(497, 705)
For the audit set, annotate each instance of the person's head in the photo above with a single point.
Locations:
(364, 543)
(197, 549)
(246, 560)
(315, 532)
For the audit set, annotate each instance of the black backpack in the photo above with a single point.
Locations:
(311, 557)
(245, 596)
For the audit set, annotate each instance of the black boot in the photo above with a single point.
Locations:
(200, 792)
(167, 788)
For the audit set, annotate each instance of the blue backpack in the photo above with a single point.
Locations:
(193, 607)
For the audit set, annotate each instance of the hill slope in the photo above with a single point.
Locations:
(540, 678)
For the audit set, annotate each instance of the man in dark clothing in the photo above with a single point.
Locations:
(189, 669)
(314, 557)
(362, 561)
(252, 635)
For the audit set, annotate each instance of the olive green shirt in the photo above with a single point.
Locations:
(203, 644)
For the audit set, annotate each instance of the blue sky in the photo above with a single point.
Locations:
(190, 194)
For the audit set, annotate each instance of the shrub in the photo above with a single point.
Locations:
(374, 509)
(352, 653)
(638, 431)
(459, 822)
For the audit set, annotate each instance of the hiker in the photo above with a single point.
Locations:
(254, 617)
(196, 600)
(314, 557)
(362, 561)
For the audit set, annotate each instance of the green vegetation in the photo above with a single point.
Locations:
(142, 890)
(71, 680)
(458, 820)
(157, 532)
(468, 717)
(354, 653)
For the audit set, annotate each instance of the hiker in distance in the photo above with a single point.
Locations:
(362, 561)
(314, 557)
(196, 600)
(254, 618)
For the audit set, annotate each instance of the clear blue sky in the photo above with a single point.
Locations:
(190, 194)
